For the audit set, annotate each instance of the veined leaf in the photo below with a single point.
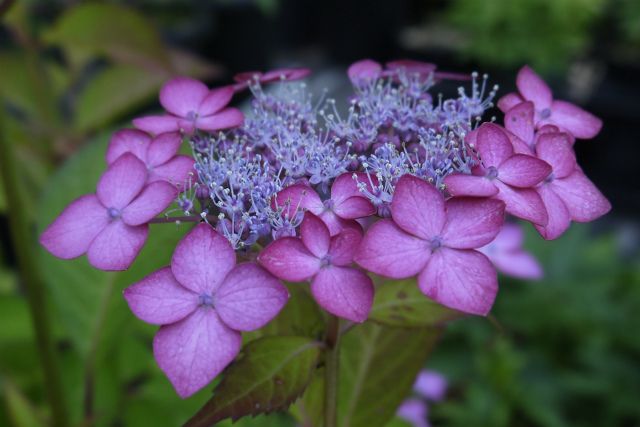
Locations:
(400, 303)
(378, 366)
(270, 374)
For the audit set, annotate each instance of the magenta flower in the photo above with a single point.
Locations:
(324, 260)
(569, 117)
(280, 74)
(191, 105)
(159, 154)
(522, 131)
(411, 66)
(435, 240)
(339, 211)
(111, 225)
(364, 71)
(568, 195)
(508, 256)
(504, 175)
(415, 412)
(431, 385)
(202, 302)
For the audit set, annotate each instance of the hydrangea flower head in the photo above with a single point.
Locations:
(398, 183)
(202, 302)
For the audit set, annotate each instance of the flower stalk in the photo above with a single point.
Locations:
(23, 245)
(332, 365)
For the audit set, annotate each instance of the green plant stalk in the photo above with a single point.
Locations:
(23, 245)
(332, 365)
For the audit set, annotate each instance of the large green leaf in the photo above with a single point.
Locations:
(115, 91)
(308, 410)
(270, 374)
(115, 31)
(378, 366)
(400, 303)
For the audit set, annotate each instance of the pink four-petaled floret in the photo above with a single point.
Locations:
(324, 260)
(340, 211)
(568, 195)
(191, 105)
(565, 115)
(435, 240)
(111, 225)
(503, 174)
(159, 154)
(507, 254)
(202, 302)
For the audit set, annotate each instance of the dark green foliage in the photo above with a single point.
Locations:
(568, 349)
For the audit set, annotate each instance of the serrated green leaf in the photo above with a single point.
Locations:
(400, 303)
(114, 92)
(270, 374)
(308, 409)
(112, 30)
(378, 366)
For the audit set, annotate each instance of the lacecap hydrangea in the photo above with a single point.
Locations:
(396, 182)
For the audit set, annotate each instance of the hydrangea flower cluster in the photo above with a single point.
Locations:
(398, 184)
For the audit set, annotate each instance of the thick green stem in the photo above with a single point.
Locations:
(23, 244)
(332, 362)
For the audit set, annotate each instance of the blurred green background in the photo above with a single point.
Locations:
(564, 351)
